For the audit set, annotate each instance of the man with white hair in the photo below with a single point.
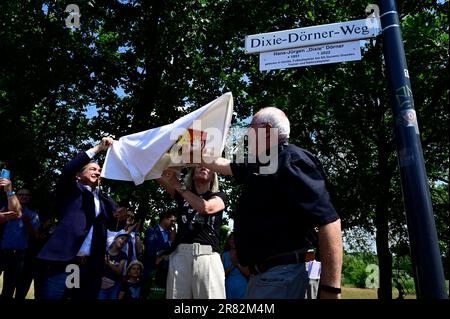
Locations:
(278, 213)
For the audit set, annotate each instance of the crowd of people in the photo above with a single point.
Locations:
(284, 222)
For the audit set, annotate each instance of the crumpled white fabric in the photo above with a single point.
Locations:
(144, 155)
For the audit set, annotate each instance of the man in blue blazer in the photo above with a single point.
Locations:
(75, 253)
(158, 242)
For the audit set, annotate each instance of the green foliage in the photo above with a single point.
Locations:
(354, 269)
(403, 274)
(135, 65)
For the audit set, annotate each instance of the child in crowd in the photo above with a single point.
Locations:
(131, 289)
(115, 260)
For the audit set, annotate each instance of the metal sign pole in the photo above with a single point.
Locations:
(426, 257)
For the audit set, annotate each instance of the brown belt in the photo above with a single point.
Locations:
(80, 260)
(295, 257)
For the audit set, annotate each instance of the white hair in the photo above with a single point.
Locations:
(276, 118)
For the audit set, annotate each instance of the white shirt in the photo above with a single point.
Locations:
(85, 249)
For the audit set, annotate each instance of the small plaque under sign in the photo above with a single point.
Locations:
(305, 56)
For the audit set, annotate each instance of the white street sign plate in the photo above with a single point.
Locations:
(320, 34)
(314, 55)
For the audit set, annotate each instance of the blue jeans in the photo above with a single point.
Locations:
(110, 293)
(13, 264)
(280, 282)
(55, 284)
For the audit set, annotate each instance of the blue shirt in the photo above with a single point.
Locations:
(235, 281)
(15, 233)
(165, 234)
(3, 206)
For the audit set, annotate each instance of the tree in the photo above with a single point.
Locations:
(137, 64)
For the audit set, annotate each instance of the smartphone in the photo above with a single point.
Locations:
(5, 173)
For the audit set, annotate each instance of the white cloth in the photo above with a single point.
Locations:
(145, 155)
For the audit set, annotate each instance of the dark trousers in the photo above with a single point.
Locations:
(33, 271)
(57, 283)
(12, 264)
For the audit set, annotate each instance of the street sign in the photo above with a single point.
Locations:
(314, 55)
(315, 35)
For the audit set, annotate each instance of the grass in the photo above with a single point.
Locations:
(360, 293)
(347, 292)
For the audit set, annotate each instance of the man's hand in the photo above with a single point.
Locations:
(170, 177)
(133, 228)
(161, 258)
(219, 165)
(105, 143)
(121, 214)
(6, 183)
(172, 234)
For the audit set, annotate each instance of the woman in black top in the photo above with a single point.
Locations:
(195, 267)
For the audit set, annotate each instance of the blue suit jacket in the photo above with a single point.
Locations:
(153, 242)
(76, 215)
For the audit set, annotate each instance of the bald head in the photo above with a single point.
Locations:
(277, 118)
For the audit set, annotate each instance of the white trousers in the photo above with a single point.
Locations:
(195, 272)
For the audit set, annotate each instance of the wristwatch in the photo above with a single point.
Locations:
(330, 289)
(10, 193)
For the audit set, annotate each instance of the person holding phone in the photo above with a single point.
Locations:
(11, 208)
(14, 244)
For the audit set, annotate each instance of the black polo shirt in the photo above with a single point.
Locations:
(278, 212)
(194, 227)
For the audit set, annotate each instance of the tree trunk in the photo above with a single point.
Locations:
(383, 252)
(147, 96)
(383, 180)
(382, 203)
